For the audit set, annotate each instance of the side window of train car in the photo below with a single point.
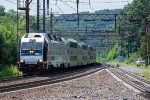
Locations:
(73, 45)
(55, 38)
(84, 47)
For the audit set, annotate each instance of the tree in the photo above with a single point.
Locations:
(138, 8)
(2, 11)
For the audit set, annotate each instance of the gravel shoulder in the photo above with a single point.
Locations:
(98, 86)
(130, 68)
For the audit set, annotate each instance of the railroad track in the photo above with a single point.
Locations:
(134, 80)
(9, 79)
(64, 76)
(15, 78)
(23, 77)
(135, 76)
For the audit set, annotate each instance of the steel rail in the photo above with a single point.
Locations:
(9, 79)
(136, 84)
(18, 78)
(53, 79)
(135, 76)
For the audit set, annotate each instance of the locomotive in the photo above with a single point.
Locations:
(43, 52)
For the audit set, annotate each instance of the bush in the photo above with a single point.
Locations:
(101, 59)
(126, 61)
(133, 57)
(8, 71)
(112, 53)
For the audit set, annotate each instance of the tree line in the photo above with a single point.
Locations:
(134, 33)
(8, 34)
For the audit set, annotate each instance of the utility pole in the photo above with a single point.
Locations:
(24, 5)
(51, 22)
(47, 7)
(38, 17)
(41, 23)
(120, 41)
(146, 40)
(78, 12)
(147, 30)
(44, 29)
(115, 21)
(128, 47)
(18, 54)
(85, 34)
(27, 16)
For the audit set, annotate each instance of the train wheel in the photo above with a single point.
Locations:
(49, 67)
(63, 66)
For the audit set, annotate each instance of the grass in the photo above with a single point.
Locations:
(127, 62)
(144, 67)
(145, 74)
(8, 71)
(100, 59)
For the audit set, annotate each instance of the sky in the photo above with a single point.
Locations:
(69, 6)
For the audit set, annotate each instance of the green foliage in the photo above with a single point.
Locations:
(2, 11)
(133, 57)
(8, 37)
(32, 23)
(112, 53)
(8, 71)
(126, 61)
(138, 7)
(7, 46)
(145, 74)
(101, 59)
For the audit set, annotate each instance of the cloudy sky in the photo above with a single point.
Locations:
(69, 6)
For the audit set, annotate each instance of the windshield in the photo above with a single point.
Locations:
(33, 46)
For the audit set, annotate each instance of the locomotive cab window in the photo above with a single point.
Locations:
(37, 36)
(27, 47)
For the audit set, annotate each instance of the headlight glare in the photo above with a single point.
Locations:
(40, 60)
(22, 61)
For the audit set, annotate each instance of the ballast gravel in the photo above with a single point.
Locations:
(98, 86)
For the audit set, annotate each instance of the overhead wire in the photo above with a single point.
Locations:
(89, 2)
(33, 6)
(68, 5)
(11, 2)
(59, 8)
(91, 6)
(93, 1)
(81, 2)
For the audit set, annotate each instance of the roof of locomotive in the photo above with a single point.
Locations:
(54, 38)
(34, 35)
(68, 40)
(38, 36)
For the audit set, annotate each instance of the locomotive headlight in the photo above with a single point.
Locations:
(31, 52)
(40, 60)
(22, 61)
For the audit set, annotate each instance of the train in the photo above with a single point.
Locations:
(43, 52)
